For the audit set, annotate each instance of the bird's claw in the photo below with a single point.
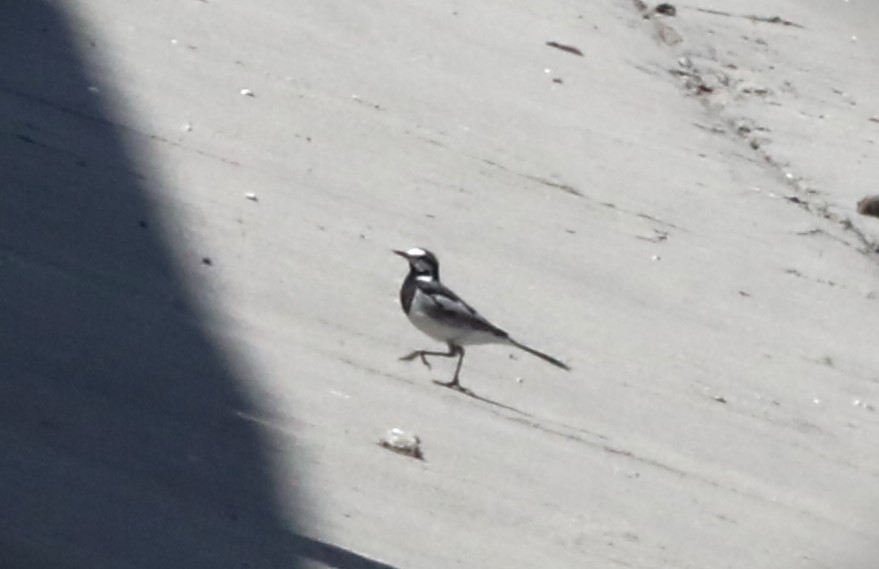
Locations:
(413, 355)
(455, 386)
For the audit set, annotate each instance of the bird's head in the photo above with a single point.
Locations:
(422, 263)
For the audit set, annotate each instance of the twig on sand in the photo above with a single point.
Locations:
(563, 47)
(752, 17)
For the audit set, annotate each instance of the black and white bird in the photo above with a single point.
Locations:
(441, 314)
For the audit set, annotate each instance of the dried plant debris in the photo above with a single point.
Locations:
(869, 205)
(563, 187)
(563, 47)
(658, 236)
(402, 442)
(664, 33)
(763, 19)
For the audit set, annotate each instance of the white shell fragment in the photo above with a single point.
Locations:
(251, 196)
(248, 93)
(401, 442)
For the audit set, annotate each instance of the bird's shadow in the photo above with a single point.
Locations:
(473, 395)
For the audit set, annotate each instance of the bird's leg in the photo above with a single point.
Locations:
(423, 353)
(455, 384)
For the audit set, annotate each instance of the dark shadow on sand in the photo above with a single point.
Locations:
(121, 438)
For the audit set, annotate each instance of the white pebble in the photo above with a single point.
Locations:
(402, 442)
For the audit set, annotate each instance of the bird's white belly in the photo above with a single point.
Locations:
(445, 333)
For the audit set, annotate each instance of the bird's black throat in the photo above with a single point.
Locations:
(407, 291)
(426, 267)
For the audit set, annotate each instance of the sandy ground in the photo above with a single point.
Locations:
(197, 379)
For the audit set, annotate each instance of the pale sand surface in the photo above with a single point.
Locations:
(675, 219)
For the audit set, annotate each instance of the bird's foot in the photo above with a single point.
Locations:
(416, 354)
(455, 385)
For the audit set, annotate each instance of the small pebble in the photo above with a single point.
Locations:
(401, 442)
(869, 205)
(251, 196)
(247, 93)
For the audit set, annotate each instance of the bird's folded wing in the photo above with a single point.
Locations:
(448, 307)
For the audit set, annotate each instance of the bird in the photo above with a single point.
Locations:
(438, 312)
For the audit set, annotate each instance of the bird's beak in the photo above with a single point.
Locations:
(401, 253)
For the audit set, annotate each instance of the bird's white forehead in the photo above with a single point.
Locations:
(416, 252)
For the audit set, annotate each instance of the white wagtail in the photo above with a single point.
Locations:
(441, 314)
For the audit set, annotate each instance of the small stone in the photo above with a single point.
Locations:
(401, 442)
(869, 205)
(248, 93)
(666, 9)
(251, 196)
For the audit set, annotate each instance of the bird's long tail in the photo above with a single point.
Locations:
(540, 355)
